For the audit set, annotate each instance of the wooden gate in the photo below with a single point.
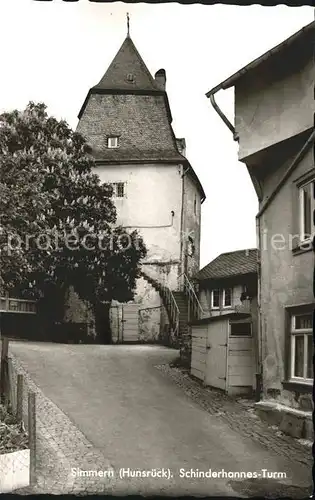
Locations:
(130, 322)
(124, 319)
(216, 358)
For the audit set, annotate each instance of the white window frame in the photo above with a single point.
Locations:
(301, 210)
(212, 294)
(114, 144)
(305, 332)
(223, 298)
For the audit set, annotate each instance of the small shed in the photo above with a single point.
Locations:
(223, 353)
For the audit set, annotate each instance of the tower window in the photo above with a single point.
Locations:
(190, 247)
(130, 78)
(112, 142)
(119, 189)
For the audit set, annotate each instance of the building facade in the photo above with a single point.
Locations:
(127, 121)
(274, 126)
(228, 282)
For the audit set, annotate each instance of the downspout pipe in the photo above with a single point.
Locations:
(210, 94)
(258, 343)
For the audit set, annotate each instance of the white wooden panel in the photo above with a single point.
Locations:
(131, 322)
(240, 381)
(240, 353)
(197, 373)
(199, 352)
(241, 370)
(199, 348)
(241, 342)
(198, 365)
(240, 360)
(216, 355)
(199, 336)
(115, 323)
(131, 337)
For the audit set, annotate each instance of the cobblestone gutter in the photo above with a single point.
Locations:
(61, 447)
(240, 416)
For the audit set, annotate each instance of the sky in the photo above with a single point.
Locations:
(53, 52)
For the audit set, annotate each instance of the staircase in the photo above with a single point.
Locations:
(169, 303)
(182, 306)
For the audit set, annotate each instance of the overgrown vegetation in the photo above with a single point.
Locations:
(58, 221)
(13, 436)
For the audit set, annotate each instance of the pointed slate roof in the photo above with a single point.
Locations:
(129, 103)
(230, 264)
(127, 62)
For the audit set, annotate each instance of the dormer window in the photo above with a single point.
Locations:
(112, 141)
(130, 78)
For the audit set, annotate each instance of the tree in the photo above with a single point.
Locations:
(57, 219)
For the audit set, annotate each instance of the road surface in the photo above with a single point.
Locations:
(139, 419)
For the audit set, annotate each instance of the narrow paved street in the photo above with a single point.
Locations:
(123, 412)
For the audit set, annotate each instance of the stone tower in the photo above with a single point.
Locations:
(126, 119)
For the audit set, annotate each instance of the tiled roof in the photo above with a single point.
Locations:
(140, 121)
(230, 264)
(127, 62)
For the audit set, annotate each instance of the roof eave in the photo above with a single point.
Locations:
(227, 277)
(221, 317)
(195, 178)
(231, 81)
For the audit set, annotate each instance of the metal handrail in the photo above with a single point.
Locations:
(173, 308)
(193, 291)
(193, 301)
